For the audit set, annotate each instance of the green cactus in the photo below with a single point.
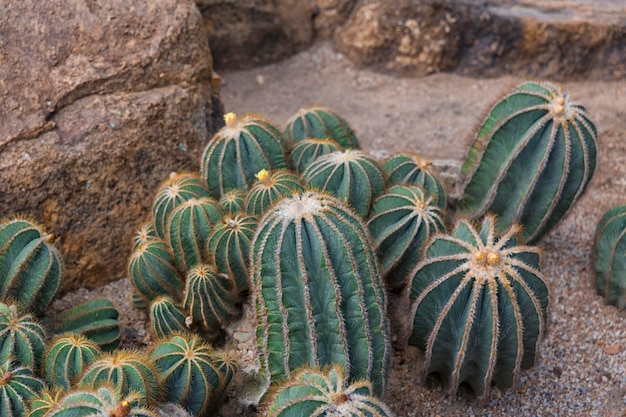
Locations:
(171, 193)
(18, 386)
(351, 175)
(532, 158)
(321, 123)
(30, 265)
(239, 150)
(127, 372)
(138, 301)
(269, 188)
(323, 392)
(479, 306)
(167, 317)
(401, 222)
(229, 247)
(22, 339)
(410, 168)
(233, 201)
(67, 358)
(45, 401)
(146, 233)
(317, 290)
(193, 374)
(306, 151)
(188, 230)
(610, 256)
(95, 319)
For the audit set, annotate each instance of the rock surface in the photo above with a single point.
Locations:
(328, 15)
(98, 104)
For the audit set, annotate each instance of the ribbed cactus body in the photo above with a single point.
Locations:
(352, 176)
(145, 233)
(229, 247)
(609, 252)
(401, 222)
(410, 168)
(166, 317)
(306, 151)
(174, 191)
(239, 150)
(189, 228)
(321, 123)
(67, 358)
(22, 339)
(317, 290)
(479, 305)
(30, 265)
(323, 393)
(18, 386)
(269, 187)
(45, 401)
(233, 201)
(531, 160)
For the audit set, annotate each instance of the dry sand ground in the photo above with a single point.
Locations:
(581, 370)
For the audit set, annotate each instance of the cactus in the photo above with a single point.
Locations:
(532, 158)
(233, 201)
(152, 272)
(45, 401)
(95, 319)
(128, 372)
(67, 358)
(21, 337)
(308, 150)
(479, 306)
(321, 123)
(167, 317)
(323, 392)
(410, 168)
(401, 222)
(229, 247)
(239, 150)
(18, 386)
(269, 188)
(211, 298)
(193, 374)
(138, 301)
(189, 228)
(352, 176)
(30, 265)
(171, 193)
(318, 294)
(146, 233)
(610, 256)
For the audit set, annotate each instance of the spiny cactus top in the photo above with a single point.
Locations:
(145, 233)
(479, 303)
(233, 201)
(609, 252)
(18, 386)
(320, 123)
(21, 337)
(317, 290)
(67, 358)
(270, 187)
(323, 392)
(531, 159)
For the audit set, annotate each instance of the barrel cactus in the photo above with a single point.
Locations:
(145, 233)
(269, 187)
(317, 290)
(21, 337)
(532, 158)
(321, 123)
(308, 150)
(18, 386)
(239, 150)
(67, 358)
(609, 252)
(233, 201)
(479, 306)
(166, 317)
(323, 392)
(45, 401)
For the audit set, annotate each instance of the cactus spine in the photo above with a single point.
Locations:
(270, 187)
(531, 160)
(67, 358)
(320, 123)
(479, 306)
(167, 317)
(152, 271)
(21, 338)
(609, 252)
(308, 150)
(317, 290)
(18, 386)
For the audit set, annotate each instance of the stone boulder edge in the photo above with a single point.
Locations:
(99, 102)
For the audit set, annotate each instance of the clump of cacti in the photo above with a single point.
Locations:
(67, 358)
(22, 338)
(609, 252)
(321, 123)
(269, 187)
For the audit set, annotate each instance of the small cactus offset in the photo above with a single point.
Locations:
(410, 168)
(18, 386)
(166, 317)
(67, 358)
(30, 265)
(321, 123)
(609, 253)
(145, 233)
(306, 151)
(45, 401)
(532, 158)
(22, 339)
(402, 221)
(233, 201)
(269, 187)
(323, 392)
(239, 150)
(351, 175)
(479, 306)
(317, 290)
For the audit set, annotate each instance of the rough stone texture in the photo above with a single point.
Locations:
(98, 104)
(247, 33)
(559, 39)
(328, 15)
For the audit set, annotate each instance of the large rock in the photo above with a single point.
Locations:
(558, 39)
(247, 33)
(99, 101)
(329, 15)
